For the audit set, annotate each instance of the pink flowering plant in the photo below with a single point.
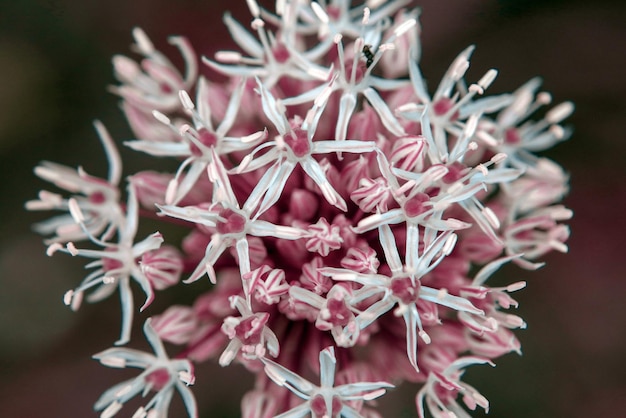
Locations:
(345, 220)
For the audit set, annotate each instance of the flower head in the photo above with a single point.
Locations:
(160, 374)
(348, 219)
(326, 400)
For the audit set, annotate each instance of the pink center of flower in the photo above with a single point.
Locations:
(97, 198)
(109, 264)
(455, 172)
(339, 312)
(318, 406)
(281, 53)
(404, 289)
(416, 205)
(249, 331)
(166, 88)
(158, 379)
(442, 106)
(206, 138)
(298, 143)
(232, 222)
(511, 136)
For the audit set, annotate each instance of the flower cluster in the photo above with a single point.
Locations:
(346, 221)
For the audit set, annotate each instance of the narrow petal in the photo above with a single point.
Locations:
(315, 171)
(126, 299)
(244, 39)
(392, 217)
(388, 242)
(347, 105)
(273, 110)
(327, 367)
(412, 321)
(352, 146)
(113, 155)
(188, 399)
(387, 118)
(266, 229)
(454, 302)
(284, 377)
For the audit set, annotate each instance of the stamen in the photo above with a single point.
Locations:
(161, 117)
(228, 57)
(557, 131)
(108, 280)
(53, 248)
(71, 248)
(499, 157)
(481, 400)
(186, 377)
(257, 24)
(544, 98)
(366, 16)
(514, 287)
(67, 297)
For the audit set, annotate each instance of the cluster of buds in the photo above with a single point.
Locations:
(346, 221)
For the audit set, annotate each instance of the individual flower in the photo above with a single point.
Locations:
(155, 82)
(120, 262)
(196, 143)
(326, 400)
(351, 80)
(160, 374)
(403, 289)
(97, 198)
(248, 334)
(271, 56)
(295, 146)
(451, 104)
(232, 224)
(511, 132)
(441, 389)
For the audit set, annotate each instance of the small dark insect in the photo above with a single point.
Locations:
(369, 55)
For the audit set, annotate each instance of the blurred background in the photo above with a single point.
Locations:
(54, 71)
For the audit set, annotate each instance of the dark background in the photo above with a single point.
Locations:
(54, 69)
